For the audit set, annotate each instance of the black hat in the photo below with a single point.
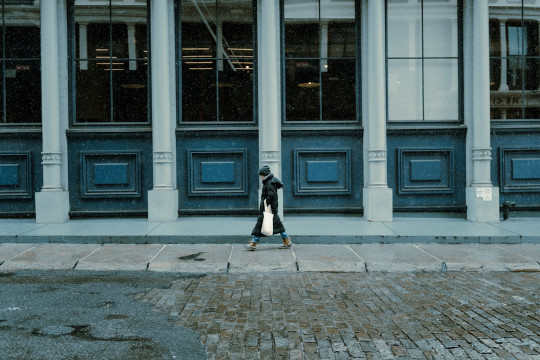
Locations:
(265, 170)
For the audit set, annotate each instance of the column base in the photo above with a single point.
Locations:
(52, 206)
(378, 204)
(481, 205)
(162, 205)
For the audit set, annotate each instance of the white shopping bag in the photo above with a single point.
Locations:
(268, 221)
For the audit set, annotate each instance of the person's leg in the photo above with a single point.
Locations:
(252, 245)
(286, 241)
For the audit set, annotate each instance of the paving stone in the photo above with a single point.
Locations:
(327, 258)
(126, 257)
(49, 257)
(481, 257)
(446, 315)
(198, 258)
(396, 258)
(8, 251)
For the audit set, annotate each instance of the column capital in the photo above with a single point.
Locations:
(377, 155)
(270, 156)
(162, 156)
(481, 154)
(51, 158)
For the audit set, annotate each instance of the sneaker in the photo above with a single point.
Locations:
(251, 246)
(287, 244)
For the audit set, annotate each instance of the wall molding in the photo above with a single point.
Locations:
(16, 175)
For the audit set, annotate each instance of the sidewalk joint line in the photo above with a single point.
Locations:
(96, 249)
(513, 253)
(27, 231)
(153, 229)
(24, 252)
(295, 259)
(355, 253)
(155, 256)
(496, 225)
(230, 257)
(424, 251)
(389, 228)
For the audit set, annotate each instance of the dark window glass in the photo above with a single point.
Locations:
(111, 65)
(20, 67)
(515, 64)
(217, 61)
(320, 65)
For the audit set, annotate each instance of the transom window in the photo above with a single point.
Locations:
(422, 60)
(20, 65)
(217, 47)
(515, 61)
(110, 63)
(320, 60)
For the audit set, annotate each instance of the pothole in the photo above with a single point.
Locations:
(54, 330)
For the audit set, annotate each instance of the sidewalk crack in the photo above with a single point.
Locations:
(230, 257)
(295, 260)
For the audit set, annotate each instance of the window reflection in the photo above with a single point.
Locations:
(422, 60)
(320, 67)
(20, 67)
(111, 63)
(515, 60)
(217, 61)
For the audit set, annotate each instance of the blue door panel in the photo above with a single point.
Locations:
(21, 173)
(322, 171)
(515, 166)
(217, 172)
(110, 174)
(426, 170)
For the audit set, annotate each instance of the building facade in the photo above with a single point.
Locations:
(163, 108)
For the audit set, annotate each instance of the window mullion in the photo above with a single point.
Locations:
(111, 105)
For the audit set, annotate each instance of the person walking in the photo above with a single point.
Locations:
(271, 184)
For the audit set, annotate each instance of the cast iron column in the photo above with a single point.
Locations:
(377, 196)
(269, 89)
(163, 198)
(52, 202)
(482, 197)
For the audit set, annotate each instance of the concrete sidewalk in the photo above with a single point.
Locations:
(328, 229)
(231, 258)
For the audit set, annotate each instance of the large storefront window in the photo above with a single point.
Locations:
(514, 30)
(20, 67)
(422, 60)
(217, 47)
(110, 63)
(320, 60)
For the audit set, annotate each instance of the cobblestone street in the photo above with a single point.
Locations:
(374, 316)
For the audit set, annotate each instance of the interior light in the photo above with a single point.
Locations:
(133, 86)
(195, 49)
(196, 56)
(309, 84)
(198, 62)
(102, 49)
(201, 68)
(240, 49)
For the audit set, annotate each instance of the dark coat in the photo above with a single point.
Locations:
(269, 192)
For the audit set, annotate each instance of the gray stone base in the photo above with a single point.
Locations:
(52, 206)
(480, 206)
(377, 204)
(162, 205)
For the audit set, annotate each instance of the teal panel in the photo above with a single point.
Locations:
(425, 170)
(9, 174)
(526, 169)
(217, 172)
(111, 174)
(322, 171)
